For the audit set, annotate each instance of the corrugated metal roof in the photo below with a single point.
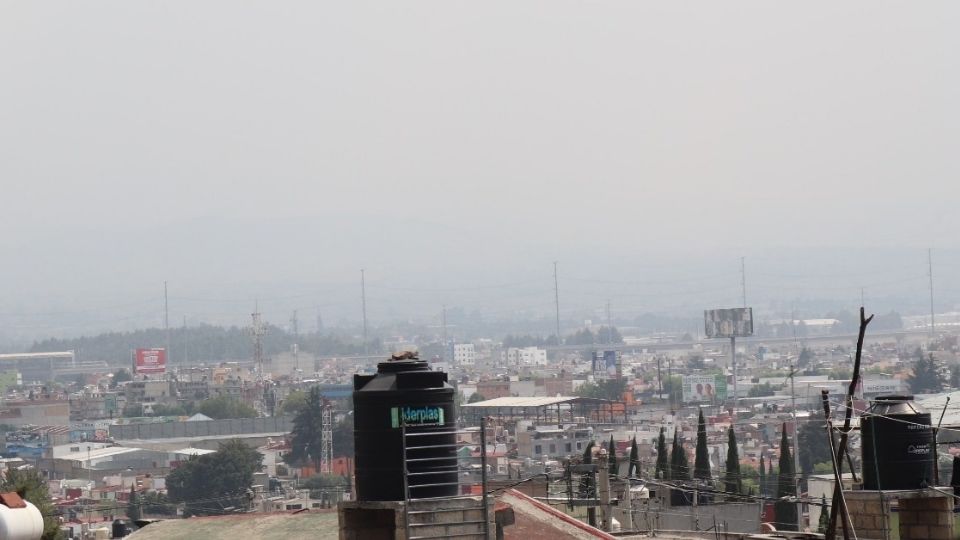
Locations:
(523, 401)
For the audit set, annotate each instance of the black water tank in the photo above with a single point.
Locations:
(897, 431)
(404, 392)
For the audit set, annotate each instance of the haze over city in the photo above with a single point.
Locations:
(267, 153)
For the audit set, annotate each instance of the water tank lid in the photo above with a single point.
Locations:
(395, 366)
(895, 404)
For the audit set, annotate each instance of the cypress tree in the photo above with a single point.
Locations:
(662, 471)
(732, 482)
(785, 511)
(633, 469)
(133, 505)
(824, 515)
(679, 471)
(701, 464)
(612, 464)
(763, 478)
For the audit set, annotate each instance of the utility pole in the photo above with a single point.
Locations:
(609, 325)
(659, 380)
(933, 326)
(743, 280)
(296, 340)
(733, 358)
(603, 485)
(185, 355)
(556, 299)
(443, 322)
(363, 300)
(796, 449)
(166, 320)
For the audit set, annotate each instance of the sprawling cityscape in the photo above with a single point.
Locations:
(526, 270)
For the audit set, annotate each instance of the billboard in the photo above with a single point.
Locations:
(704, 388)
(605, 365)
(725, 323)
(149, 361)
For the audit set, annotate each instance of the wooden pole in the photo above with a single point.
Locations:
(842, 447)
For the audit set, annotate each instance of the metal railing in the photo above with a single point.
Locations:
(443, 468)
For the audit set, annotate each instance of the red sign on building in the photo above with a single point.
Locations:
(150, 361)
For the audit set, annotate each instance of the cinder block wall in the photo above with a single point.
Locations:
(927, 518)
(924, 514)
(869, 513)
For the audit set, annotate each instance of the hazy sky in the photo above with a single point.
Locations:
(272, 149)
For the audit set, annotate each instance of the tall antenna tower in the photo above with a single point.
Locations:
(743, 280)
(609, 325)
(933, 325)
(166, 319)
(363, 300)
(326, 438)
(443, 322)
(257, 331)
(556, 299)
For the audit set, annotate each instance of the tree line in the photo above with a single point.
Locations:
(202, 342)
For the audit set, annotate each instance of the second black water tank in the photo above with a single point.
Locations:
(404, 392)
(897, 444)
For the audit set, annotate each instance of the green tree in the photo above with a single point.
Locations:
(732, 480)
(476, 397)
(784, 510)
(662, 470)
(925, 377)
(805, 359)
(306, 444)
(611, 389)
(223, 407)
(343, 437)
(293, 403)
(824, 515)
(763, 478)
(701, 463)
(119, 376)
(613, 466)
(633, 469)
(133, 505)
(210, 483)
(679, 470)
(812, 443)
(581, 337)
(32, 487)
(761, 390)
(673, 387)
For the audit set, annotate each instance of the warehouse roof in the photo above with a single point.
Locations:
(536, 401)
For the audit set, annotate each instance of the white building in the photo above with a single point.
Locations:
(464, 354)
(526, 356)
